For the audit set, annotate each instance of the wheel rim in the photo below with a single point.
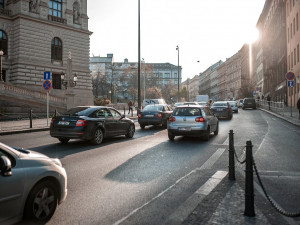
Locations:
(44, 203)
(131, 131)
(98, 136)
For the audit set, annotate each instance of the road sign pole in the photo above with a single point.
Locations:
(291, 101)
(47, 107)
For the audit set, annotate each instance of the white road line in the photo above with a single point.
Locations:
(226, 142)
(207, 165)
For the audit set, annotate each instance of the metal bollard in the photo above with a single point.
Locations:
(124, 111)
(30, 118)
(231, 156)
(55, 113)
(249, 190)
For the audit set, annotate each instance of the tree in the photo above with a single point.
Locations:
(100, 84)
(153, 93)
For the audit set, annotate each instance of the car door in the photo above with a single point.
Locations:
(109, 122)
(120, 126)
(11, 189)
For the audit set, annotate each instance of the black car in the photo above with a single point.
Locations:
(222, 109)
(249, 103)
(91, 123)
(156, 114)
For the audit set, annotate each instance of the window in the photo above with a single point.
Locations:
(56, 49)
(298, 53)
(292, 60)
(294, 56)
(1, 4)
(56, 81)
(3, 42)
(297, 23)
(55, 8)
(294, 26)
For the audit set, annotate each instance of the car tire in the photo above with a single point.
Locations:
(142, 126)
(230, 117)
(64, 140)
(171, 136)
(206, 134)
(243, 108)
(130, 131)
(217, 130)
(98, 137)
(43, 196)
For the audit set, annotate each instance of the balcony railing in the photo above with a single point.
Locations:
(5, 12)
(57, 19)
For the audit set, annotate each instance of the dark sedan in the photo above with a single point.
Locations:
(222, 109)
(157, 114)
(93, 123)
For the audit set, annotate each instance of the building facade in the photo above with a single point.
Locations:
(38, 36)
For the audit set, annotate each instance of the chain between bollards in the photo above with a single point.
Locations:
(231, 156)
(249, 188)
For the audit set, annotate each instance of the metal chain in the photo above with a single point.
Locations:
(280, 210)
(241, 162)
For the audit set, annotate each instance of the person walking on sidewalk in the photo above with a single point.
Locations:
(130, 107)
(269, 101)
(298, 106)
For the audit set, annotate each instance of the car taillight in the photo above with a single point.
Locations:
(172, 119)
(228, 109)
(199, 119)
(140, 115)
(80, 123)
(159, 115)
(51, 121)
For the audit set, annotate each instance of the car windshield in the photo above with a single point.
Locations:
(187, 112)
(232, 103)
(153, 108)
(79, 111)
(219, 104)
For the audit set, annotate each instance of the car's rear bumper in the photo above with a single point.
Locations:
(72, 134)
(187, 133)
(150, 121)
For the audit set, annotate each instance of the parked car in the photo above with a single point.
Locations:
(153, 101)
(192, 120)
(240, 103)
(178, 104)
(155, 115)
(234, 106)
(190, 103)
(93, 123)
(31, 185)
(249, 103)
(222, 109)
(203, 103)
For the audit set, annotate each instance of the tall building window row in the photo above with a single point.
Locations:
(55, 8)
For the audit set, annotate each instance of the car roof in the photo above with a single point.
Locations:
(191, 106)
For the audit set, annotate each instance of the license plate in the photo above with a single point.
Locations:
(219, 109)
(63, 123)
(184, 128)
(149, 115)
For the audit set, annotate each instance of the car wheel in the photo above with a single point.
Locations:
(206, 134)
(130, 131)
(42, 202)
(254, 108)
(217, 130)
(230, 117)
(243, 108)
(171, 136)
(98, 137)
(142, 126)
(64, 140)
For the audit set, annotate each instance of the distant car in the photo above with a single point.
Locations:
(190, 103)
(240, 103)
(202, 103)
(31, 185)
(234, 106)
(249, 103)
(222, 109)
(178, 104)
(153, 101)
(93, 123)
(192, 120)
(157, 114)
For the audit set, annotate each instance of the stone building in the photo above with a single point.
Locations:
(38, 36)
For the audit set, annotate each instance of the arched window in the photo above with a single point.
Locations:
(3, 42)
(56, 49)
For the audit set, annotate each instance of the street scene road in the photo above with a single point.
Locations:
(148, 179)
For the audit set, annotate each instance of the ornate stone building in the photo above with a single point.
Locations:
(45, 35)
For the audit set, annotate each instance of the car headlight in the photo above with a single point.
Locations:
(57, 162)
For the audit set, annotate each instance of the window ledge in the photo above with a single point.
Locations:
(57, 19)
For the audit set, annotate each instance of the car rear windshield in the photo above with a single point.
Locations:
(79, 111)
(249, 100)
(153, 108)
(187, 112)
(220, 104)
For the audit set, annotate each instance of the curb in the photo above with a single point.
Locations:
(30, 130)
(281, 117)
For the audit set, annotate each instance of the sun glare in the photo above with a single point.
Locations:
(253, 35)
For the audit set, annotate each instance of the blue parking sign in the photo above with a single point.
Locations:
(290, 83)
(47, 75)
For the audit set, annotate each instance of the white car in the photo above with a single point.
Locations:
(31, 185)
(233, 106)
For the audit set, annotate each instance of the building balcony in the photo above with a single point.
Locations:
(57, 19)
(5, 12)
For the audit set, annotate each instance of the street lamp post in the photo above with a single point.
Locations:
(1, 54)
(177, 48)
(144, 78)
(139, 58)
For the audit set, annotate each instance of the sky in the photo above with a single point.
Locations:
(206, 31)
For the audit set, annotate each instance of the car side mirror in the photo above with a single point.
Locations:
(5, 166)
(122, 116)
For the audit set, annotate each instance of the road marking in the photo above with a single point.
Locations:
(226, 142)
(207, 165)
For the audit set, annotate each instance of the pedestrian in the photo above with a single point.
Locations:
(130, 107)
(269, 101)
(298, 106)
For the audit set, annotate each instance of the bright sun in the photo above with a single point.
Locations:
(253, 35)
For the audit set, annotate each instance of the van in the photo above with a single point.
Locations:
(153, 101)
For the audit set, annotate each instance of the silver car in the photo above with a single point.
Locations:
(234, 106)
(31, 185)
(192, 120)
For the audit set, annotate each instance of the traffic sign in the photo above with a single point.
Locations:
(290, 76)
(47, 85)
(290, 83)
(47, 75)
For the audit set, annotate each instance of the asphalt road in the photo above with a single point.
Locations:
(145, 179)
